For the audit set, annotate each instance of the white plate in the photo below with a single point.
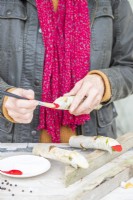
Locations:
(30, 165)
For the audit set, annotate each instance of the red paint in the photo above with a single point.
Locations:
(117, 148)
(56, 105)
(13, 172)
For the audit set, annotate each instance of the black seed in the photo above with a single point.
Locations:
(30, 191)
(3, 188)
(7, 184)
(22, 190)
(16, 185)
(10, 184)
(13, 194)
(2, 183)
(5, 180)
(9, 190)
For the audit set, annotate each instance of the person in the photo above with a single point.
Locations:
(63, 47)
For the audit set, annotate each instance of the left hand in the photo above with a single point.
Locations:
(88, 94)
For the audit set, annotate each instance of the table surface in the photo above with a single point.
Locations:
(48, 186)
(120, 193)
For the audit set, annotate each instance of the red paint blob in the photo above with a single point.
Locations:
(117, 148)
(56, 105)
(13, 172)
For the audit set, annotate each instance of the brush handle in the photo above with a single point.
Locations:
(9, 94)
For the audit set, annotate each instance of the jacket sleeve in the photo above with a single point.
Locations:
(3, 86)
(120, 72)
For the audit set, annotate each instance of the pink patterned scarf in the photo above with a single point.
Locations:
(66, 36)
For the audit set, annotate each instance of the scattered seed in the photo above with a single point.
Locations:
(5, 180)
(10, 184)
(30, 191)
(7, 184)
(9, 190)
(22, 190)
(16, 185)
(2, 183)
(13, 194)
(2, 188)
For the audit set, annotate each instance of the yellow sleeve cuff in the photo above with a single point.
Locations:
(107, 91)
(4, 110)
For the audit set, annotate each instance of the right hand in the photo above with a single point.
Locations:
(21, 111)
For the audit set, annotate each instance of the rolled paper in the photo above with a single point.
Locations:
(64, 102)
(95, 142)
(72, 158)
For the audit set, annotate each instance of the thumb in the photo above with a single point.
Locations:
(29, 94)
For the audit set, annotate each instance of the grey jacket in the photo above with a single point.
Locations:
(22, 56)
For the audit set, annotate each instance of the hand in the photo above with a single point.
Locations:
(88, 94)
(21, 111)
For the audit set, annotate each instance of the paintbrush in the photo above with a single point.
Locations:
(40, 103)
(61, 103)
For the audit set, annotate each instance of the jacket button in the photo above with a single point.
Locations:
(9, 12)
(33, 133)
(40, 30)
(105, 10)
(37, 82)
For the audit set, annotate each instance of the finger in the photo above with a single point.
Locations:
(82, 109)
(21, 121)
(97, 104)
(88, 104)
(29, 94)
(9, 105)
(23, 111)
(78, 98)
(75, 89)
(16, 105)
(27, 118)
(26, 104)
